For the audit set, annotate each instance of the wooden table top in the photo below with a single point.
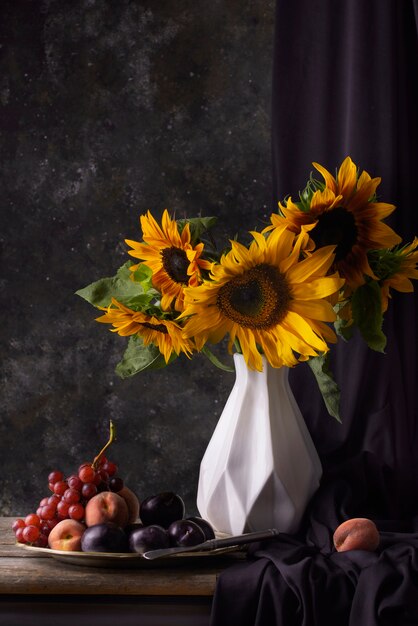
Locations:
(24, 572)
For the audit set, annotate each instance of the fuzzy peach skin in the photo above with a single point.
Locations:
(133, 503)
(106, 506)
(66, 535)
(358, 533)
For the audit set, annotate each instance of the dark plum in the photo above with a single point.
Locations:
(204, 525)
(184, 532)
(162, 509)
(106, 537)
(148, 538)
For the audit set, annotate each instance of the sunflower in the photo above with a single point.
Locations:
(165, 334)
(405, 260)
(346, 214)
(268, 300)
(174, 261)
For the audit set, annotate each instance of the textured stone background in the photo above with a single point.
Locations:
(108, 109)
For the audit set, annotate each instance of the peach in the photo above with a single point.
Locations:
(358, 533)
(66, 535)
(133, 503)
(106, 506)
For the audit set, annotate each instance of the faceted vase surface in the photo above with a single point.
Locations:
(261, 467)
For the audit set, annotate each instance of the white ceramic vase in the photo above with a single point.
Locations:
(261, 467)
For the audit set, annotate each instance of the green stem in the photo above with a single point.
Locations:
(112, 436)
(212, 358)
(237, 346)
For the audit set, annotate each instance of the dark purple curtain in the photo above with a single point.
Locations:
(344, 84)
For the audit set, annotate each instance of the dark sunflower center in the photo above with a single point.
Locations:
(158, 327)
(336, 227)
(259, 298)
(175, 263)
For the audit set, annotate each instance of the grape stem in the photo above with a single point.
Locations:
(112, 436)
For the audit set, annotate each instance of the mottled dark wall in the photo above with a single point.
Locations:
(108, 109)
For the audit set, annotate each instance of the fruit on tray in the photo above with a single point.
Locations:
(161, 509)
(132, 502)
(84, 510)
(107, 506)
(185, 532)
(66, 535)
(146, 538)
(105, 537)
(204, 525)
(357, 533)
(69, 497)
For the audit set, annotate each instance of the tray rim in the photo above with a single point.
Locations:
(84, 558)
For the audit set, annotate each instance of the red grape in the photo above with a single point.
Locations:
(71, 496)
(60, 487)
(62, 509)
(97, 479)
(48, 512)
(110, 468)
(55, 477)
(45, 529)
(19, 535)
(86, 474)
(43, 501)
(74, 482)
(104, 476)
(76, 511)
(88, 490)
(53, 500)
(41, 542)
(52, 522)
(18, 523)
(30, 533)
(32, 520)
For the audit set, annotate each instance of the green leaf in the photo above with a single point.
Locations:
(143, 276)
(326, 383)
(367, 315)
(342, 330)
(138, 358)
(215, 361)
(197, 225)
(142, 302)
(120, 286)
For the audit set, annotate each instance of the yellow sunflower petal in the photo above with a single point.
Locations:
(347, 178)
(249, 349)
(314, 309)
(330, 181)
(385, 236)
(317, 288)
(401, 283)
(303, 329)
(324, 200)
(320, 261)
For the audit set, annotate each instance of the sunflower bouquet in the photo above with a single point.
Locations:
(324, 265)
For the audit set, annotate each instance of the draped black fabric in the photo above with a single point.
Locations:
(344, 84)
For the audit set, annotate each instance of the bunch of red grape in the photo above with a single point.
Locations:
(68, 500)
